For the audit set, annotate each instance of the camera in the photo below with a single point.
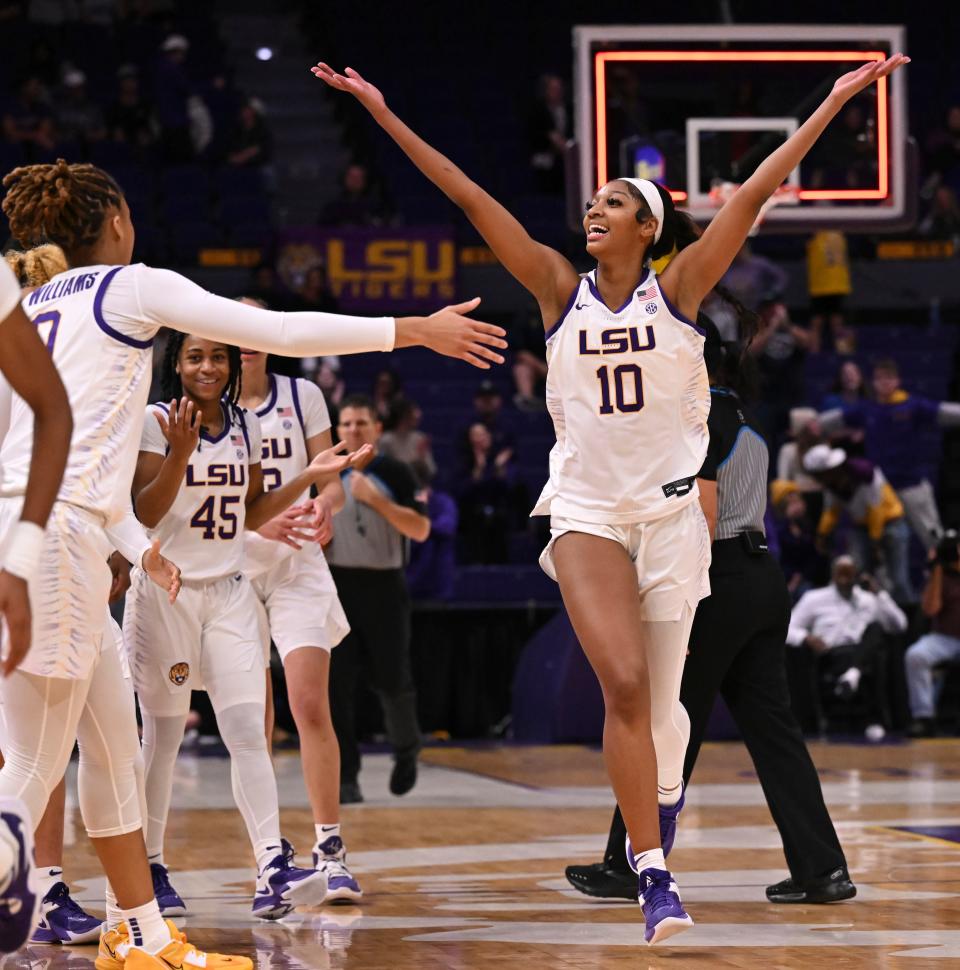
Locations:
(948, 552)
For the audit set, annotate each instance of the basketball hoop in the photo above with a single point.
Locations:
(787, 194)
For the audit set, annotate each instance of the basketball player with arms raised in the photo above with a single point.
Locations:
(99, 319)
(628, 393)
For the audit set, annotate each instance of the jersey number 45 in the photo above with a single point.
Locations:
(217, 526)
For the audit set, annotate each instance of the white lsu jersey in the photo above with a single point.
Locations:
(629, 397)
(203, 530)
(293, 412)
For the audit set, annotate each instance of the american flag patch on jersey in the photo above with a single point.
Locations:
(285, 412)
(236, 439)
(644, 294)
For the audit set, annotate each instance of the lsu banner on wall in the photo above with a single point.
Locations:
(375, 270)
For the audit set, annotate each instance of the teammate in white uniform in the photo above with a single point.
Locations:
(198, 485)
(290, 575)
(629, 397)
(99, 320)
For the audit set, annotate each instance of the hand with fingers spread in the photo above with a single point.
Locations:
(15, 609)
(351, 83)
(293, 527)
(453, 334)
(181, 428)
(854, 82)
(332, 461)
(163, 572)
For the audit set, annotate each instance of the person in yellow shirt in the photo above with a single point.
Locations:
(828, 282)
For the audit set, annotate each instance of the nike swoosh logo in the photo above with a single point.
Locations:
(580, 306)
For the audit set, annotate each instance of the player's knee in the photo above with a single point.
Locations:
(626, 695)
(311, 711)
(916, 658)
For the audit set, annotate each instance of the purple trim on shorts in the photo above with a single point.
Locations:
(680, 316)
(103, 325)
(295, 394)
(596, 292)
(566, 310)
(271, 398)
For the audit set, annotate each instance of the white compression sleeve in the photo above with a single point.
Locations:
(170, 300)
(128, 537)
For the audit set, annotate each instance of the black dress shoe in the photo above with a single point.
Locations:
(603, 882)
(350, 793)
(831, 888)
(404, 774)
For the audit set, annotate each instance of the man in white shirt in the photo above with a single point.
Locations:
(845, 624)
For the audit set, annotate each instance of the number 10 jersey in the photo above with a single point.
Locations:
(203, 530)
(629, 397)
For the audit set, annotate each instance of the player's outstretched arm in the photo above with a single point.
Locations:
(543, 271)
(29, 368)
(699, 267)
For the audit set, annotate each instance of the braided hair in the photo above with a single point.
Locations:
(678, 232)
(38, 265)
(60, 203)
(172, 387)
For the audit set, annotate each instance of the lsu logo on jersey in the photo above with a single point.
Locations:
(618, 340)
(217, 475)
(276, 448)
(179, 674)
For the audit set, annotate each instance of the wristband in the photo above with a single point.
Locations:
(23, 551)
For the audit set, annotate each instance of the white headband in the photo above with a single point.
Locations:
(652, 197)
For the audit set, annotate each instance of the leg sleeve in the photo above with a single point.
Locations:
(161, 743)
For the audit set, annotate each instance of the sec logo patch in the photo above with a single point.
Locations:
(650, 308)
(179, 674)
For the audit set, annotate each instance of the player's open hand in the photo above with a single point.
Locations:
(322, 519)
(163, 572)
(332, 461)
(451, 333)
(855, 81)
(293, 527)
(351, 82)
(15, 608)
(181, 428)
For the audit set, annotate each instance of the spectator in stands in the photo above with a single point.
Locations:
(943, 219)
(130, 118)
(805, 432)
(488, 411)
(941, 603)
(432, 569)
(844, 626)
(943, 147)
(407, 443)
(314, 292)
(802, 563)
(529, 364)
(386, 392)
(828, 284)
(267, 287)
(330, 380)
(549, 132)
(172, 93)
(849, 389)
(367, 558)
(358, 204)
(78, 118)
(251, 144)
(880, 532)
(754, 279)
(891, 424)
(28, 120)
(486, 493)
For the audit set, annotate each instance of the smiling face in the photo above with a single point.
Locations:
(204, 369)
(358, 427)
(610, 222)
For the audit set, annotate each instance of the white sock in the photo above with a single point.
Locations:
(650, 859)
(114, 912)
(266, 850)
(148, 931)
(325, 831)
(669, 797)
(156, 859)
(851, 677)
(47, 878)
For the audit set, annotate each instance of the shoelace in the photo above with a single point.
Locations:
(60, 894)
(335, 867)
(161, 881)
(656, 890)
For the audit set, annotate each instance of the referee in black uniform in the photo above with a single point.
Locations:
(737, 649)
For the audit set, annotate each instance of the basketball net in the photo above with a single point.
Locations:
(721, 192)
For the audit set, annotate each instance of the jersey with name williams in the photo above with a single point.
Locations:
(202, 531)
(293, 412)
(628, 393)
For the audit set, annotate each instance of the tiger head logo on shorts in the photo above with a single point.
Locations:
(179, 673)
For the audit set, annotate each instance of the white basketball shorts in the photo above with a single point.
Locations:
(300, 602)
(208, 640)
(671, 554)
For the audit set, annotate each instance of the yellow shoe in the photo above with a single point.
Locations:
(179, 955)
(113, 953)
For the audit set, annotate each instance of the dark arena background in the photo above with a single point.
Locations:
(249, 176)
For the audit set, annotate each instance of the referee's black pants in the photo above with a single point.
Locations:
(737, 649)
(377, 647)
